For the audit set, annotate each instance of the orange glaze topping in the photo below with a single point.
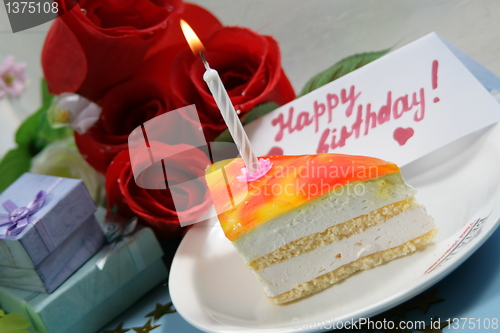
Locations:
(291, 182)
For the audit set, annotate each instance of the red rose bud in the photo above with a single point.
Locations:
(156, 207)
(249, 65)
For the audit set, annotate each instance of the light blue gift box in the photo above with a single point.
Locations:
(91, 297)
(60, 237)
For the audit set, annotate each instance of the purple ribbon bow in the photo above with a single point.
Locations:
(18, 217)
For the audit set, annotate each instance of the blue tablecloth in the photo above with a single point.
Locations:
(469, 297)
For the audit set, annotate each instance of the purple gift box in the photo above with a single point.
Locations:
(48, 230)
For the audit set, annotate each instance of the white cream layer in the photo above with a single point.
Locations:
(345, 203)
(285, 275)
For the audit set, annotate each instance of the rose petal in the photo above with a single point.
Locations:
(115, 199)
(63, 60)
(203, 22)
(124, 108)
(249, 65)
(90, 52)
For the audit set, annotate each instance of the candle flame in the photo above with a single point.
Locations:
(192, 39)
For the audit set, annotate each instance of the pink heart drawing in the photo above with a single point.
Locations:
(275, 151)
(401, 135)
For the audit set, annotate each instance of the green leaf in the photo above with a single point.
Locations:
(26, 133)
(254, 114)
(35, 133)
(16, 162)
(45, 134)
(340, 69)
(224, 137)
(46, 96)
(13, 323)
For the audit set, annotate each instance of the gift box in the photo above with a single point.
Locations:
(92, 296)
(49, 230)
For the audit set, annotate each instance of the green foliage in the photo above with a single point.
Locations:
(34, 134)
(13, 323)
(16, 162)
(340, 69)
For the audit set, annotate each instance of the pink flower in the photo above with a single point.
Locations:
(265, 166)
(12, 77)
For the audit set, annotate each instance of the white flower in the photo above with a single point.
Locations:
(62, 159)
(75, 111)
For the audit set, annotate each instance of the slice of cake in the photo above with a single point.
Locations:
(314, 220)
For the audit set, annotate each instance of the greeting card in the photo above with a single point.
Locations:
(398, 108)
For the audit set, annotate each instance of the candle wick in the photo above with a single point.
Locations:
(205, 62)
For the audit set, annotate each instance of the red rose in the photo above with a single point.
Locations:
(99, 43)
(249, 65)
(124, 108)
(156, 207)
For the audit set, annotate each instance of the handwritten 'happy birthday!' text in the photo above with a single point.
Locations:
(365, 116)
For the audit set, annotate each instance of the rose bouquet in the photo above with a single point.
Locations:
(109, 67)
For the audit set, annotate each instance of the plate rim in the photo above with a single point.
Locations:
(190, 312)
(202, 230)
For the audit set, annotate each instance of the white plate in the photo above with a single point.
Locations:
(459, 184)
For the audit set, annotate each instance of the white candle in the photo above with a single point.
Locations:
(230, 116)
(254, 167)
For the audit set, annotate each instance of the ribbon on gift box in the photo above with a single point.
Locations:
(19, 217)
(116, 233)
(22, 278)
